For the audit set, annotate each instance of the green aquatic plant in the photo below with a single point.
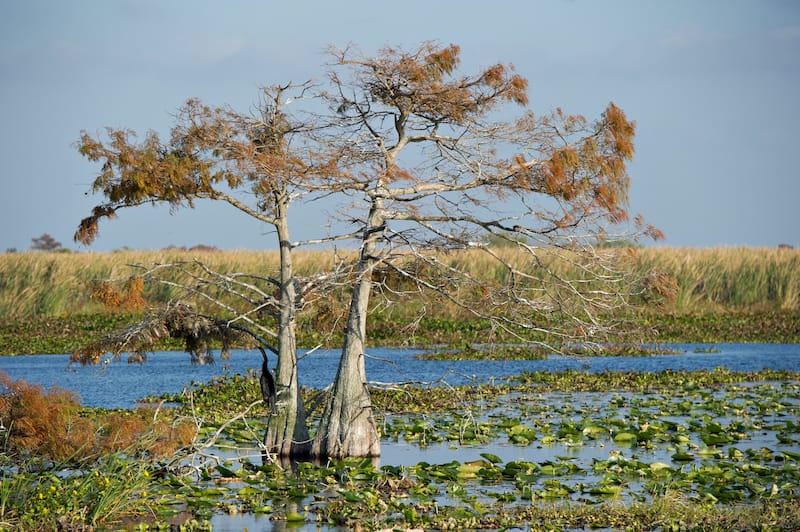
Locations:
(115, 487)
(674, 450)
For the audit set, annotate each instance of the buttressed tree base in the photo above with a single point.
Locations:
(438, 161)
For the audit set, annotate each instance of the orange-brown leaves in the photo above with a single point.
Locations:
(106, 294)
(212, 152)
(607, 198)
(133, 173)
(512, 87)
(619, 131)
(43, 423)
(423, 82)
(49, 424)
(495, 76)
(560, 173)
(88, 228)
(168, 437)
(586, 164)
(648, 230)
(521, 173)
(395, 173)
(519, 92)
(608, 155)
(660, 288)
(134, 290)
(127, 430)
(131, 298)
(121, 432)
(443, 61)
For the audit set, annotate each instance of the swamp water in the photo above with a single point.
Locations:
(724, 444)
(116, 384)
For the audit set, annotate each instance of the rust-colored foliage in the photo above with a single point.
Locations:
(131, 298)
(121, 431)
(127, 430)
(171, 436)
(50, 424)
(88, 228)
(134, 290)
(421, 82)
(210, 152)
(105, 293)
(660, 288)
(43, 423)
(619, 132)
(650, 231)
(589, 172)
(135, 174)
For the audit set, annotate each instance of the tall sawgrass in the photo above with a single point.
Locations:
(731, 278)
(713, 279)
(53, 284)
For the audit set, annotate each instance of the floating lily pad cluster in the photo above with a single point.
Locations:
(573, 443)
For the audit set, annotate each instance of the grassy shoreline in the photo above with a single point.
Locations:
(65, 334)
(719, 295)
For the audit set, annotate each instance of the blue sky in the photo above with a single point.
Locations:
(714, 87)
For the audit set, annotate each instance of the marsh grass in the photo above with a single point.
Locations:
(54, 283)
(44, 500)
(690, 295)
(729, 278)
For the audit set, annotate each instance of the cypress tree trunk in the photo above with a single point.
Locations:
(287, 432)
(347, 427)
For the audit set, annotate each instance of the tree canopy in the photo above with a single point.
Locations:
(422, 161)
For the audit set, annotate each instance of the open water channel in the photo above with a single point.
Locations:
(116, 384)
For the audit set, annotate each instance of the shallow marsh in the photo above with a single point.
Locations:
(710, 441)
(540, 449)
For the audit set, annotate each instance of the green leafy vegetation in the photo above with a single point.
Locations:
(62, 334)
(741, 326)
(659, 448)
(459, 339)
(702, 450)
(39, 500)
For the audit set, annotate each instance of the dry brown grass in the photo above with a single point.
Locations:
(712, 279)
(53, 284)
